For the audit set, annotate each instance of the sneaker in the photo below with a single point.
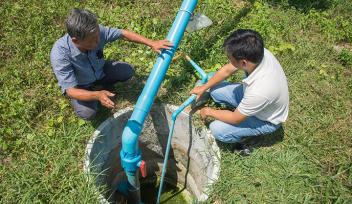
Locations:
(201, 101)
(242, 149)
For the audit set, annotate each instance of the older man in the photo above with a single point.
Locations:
(78, 62)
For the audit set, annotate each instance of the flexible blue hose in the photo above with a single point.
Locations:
(165, 160)
(174, 116)
(173, 119)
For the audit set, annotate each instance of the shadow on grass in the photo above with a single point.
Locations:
(199, 51)
(304, 5)
(266, 140)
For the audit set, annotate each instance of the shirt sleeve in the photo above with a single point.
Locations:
(63, 69)
(252, 104)
(110, 34)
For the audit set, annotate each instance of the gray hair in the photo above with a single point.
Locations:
(81, 23)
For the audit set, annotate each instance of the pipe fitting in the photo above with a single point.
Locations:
(130, 162)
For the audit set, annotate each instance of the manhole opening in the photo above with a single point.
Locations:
(192, 167)
(171, 194)
(175, 188)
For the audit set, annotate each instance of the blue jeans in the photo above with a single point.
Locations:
(231, 95)
(114, 72)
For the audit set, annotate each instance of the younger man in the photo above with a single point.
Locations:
(262, 99)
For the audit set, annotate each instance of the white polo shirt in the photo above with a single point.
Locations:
(266, 92)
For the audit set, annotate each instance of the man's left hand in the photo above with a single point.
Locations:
(204, 112)
(161, 44)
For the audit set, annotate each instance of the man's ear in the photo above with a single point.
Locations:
(75, 40)
(244, 63)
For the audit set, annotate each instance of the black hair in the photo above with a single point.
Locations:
(245, 44)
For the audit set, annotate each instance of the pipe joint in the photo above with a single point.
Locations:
(130, 163)
(188, 6)
(185, 11)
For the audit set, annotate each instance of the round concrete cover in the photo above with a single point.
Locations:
(194, 156)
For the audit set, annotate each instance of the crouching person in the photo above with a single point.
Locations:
(260, 102)
(78, 62)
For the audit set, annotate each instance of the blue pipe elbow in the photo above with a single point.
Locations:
(183, 106)
(204, 79)
(131, 156)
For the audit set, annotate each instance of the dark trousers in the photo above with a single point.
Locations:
(114, 72)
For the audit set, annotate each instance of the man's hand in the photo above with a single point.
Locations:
(198, 90)
(204, 112)
(161, 44)
(86, 95)
(155, 45)
(104, 98)
(226, 116)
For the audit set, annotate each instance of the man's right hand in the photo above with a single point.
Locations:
(104, 98)
(198, 90)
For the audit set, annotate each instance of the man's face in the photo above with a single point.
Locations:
(90, 42)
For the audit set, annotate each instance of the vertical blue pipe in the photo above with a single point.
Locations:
(130, 153)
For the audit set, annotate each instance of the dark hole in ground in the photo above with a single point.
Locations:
(171, 194)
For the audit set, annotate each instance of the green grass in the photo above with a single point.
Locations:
(42, 142)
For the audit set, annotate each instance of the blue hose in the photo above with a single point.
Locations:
(173, 118)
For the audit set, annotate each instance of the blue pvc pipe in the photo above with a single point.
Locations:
(203, 75)
(130, 153)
